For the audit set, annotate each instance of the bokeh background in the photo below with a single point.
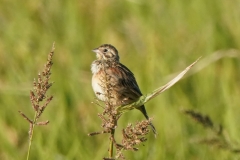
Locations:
(155, 39)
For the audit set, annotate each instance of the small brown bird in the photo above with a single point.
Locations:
(124, 88)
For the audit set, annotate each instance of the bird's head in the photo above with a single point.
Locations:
(106, 52)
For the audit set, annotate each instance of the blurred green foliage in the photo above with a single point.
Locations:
(154, 38)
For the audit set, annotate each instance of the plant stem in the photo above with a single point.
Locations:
(31, 134)
(110, 151)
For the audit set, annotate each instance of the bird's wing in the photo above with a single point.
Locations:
(126, 82)
(128, 79)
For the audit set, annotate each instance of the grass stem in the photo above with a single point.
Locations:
(110, 151)
(31, 131)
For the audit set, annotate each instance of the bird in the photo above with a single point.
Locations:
(108, 71)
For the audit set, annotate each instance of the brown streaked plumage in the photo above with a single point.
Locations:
(125, 89)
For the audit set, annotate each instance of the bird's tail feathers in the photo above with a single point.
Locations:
(144, 112)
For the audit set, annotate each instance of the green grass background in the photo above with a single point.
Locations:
(155, 39)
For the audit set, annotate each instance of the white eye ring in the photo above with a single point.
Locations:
(105, 50)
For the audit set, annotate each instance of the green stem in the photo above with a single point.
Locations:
(31, 135)
(110, 151)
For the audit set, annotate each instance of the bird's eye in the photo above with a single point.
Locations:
(105, 50)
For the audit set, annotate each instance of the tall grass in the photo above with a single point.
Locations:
(154, 38)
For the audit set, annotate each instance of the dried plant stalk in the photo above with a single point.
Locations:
(39, 99)
(219, 138)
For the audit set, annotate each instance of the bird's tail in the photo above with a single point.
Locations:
(144, 112)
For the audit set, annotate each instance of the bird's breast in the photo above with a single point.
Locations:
(97, 86)
(95, 67)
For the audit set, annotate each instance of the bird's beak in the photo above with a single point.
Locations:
(98, 53)
(96, 50)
